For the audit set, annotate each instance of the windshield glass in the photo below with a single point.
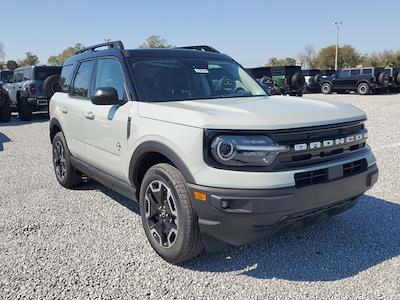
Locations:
(177, 79)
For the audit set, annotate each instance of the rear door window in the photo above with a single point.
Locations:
(367, 71)
(27, 73)
(81, 86)
(355, 72)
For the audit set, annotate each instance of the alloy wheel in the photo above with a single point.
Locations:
(161, 213)
(59, 160)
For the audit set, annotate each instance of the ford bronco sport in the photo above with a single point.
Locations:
(31, 89)
(361, 80)
(211, 159)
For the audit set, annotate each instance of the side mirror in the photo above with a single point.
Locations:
(106, 96)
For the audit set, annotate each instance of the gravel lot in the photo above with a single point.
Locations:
(89, 243)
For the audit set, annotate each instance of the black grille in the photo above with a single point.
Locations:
(325, 175)
(292, 158)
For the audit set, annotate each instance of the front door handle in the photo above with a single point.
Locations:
(64, 110)
(89, 115)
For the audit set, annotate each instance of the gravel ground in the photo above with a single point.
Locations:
(89, 243)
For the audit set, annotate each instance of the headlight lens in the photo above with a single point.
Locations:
(257, 150)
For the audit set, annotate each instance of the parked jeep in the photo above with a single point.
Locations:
(5, 107)
(394, 79)
(211, 159)
(361, 80)
(290, 79)
(31, 88)
(264, 76)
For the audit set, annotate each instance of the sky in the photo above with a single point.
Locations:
(249, 31)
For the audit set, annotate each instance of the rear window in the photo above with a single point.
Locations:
(43, 73)
(65, 78)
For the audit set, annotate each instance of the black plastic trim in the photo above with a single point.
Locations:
(106, 179)
(160, 148)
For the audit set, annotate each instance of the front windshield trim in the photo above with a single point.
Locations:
(251, 86)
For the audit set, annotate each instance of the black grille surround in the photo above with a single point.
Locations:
(291, 160)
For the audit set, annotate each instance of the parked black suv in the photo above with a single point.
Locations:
(264, 76)
(361, 80)
(394, 79)
(31, 89)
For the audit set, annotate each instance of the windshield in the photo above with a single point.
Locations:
(177, 79)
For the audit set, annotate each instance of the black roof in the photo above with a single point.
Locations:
(144, 52)
(41, 67)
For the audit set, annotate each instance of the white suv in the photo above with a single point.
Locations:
(211, 159)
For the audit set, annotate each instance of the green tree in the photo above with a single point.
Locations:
(155, 41)
(30, 60)
(11, 64)
(386, 58)
(347, 57)
(58, 60)
(288, 61)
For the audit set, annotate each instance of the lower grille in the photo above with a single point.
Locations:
(328, 174)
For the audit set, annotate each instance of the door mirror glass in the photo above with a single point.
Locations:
(106, 96)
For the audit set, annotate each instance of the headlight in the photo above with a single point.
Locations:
(256, 151)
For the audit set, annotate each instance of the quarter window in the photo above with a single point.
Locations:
(83, 79)
(109, 74)
(65, 78)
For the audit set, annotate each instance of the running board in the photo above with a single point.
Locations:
(108, 180)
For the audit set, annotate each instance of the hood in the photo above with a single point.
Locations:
(266, 112)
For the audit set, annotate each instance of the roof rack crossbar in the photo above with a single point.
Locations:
(110, 45)
(201, 48)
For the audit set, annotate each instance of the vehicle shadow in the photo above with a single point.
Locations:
(92, 185)
(36, 118)
(338, 248)
(3, 139)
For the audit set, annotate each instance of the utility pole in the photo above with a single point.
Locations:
(337, 23)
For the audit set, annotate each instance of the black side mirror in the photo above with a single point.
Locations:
(106, 96)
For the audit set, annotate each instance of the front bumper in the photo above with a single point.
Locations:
(256, 214)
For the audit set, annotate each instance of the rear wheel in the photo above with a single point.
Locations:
(168, 219)
(5, 112)
(363, 89)
(66, 174)
(24, 110)
(326, 88)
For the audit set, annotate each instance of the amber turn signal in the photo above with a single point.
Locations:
(201, 196)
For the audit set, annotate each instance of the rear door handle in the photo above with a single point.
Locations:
(64, 110)
(89, 115)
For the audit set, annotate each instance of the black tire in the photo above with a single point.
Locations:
(50, 85)
(174, 218)
(326, 88)
(363, 89)
(66, 174)
(5, 111)
(297, 81)
(24, 110)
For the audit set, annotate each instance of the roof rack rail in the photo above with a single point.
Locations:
(110, 45)
(201, 48)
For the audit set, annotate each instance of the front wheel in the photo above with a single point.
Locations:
(24, 110)
(326, 88)
(168, 219)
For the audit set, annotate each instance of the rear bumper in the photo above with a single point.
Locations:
(256, 214)
(37, 101)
